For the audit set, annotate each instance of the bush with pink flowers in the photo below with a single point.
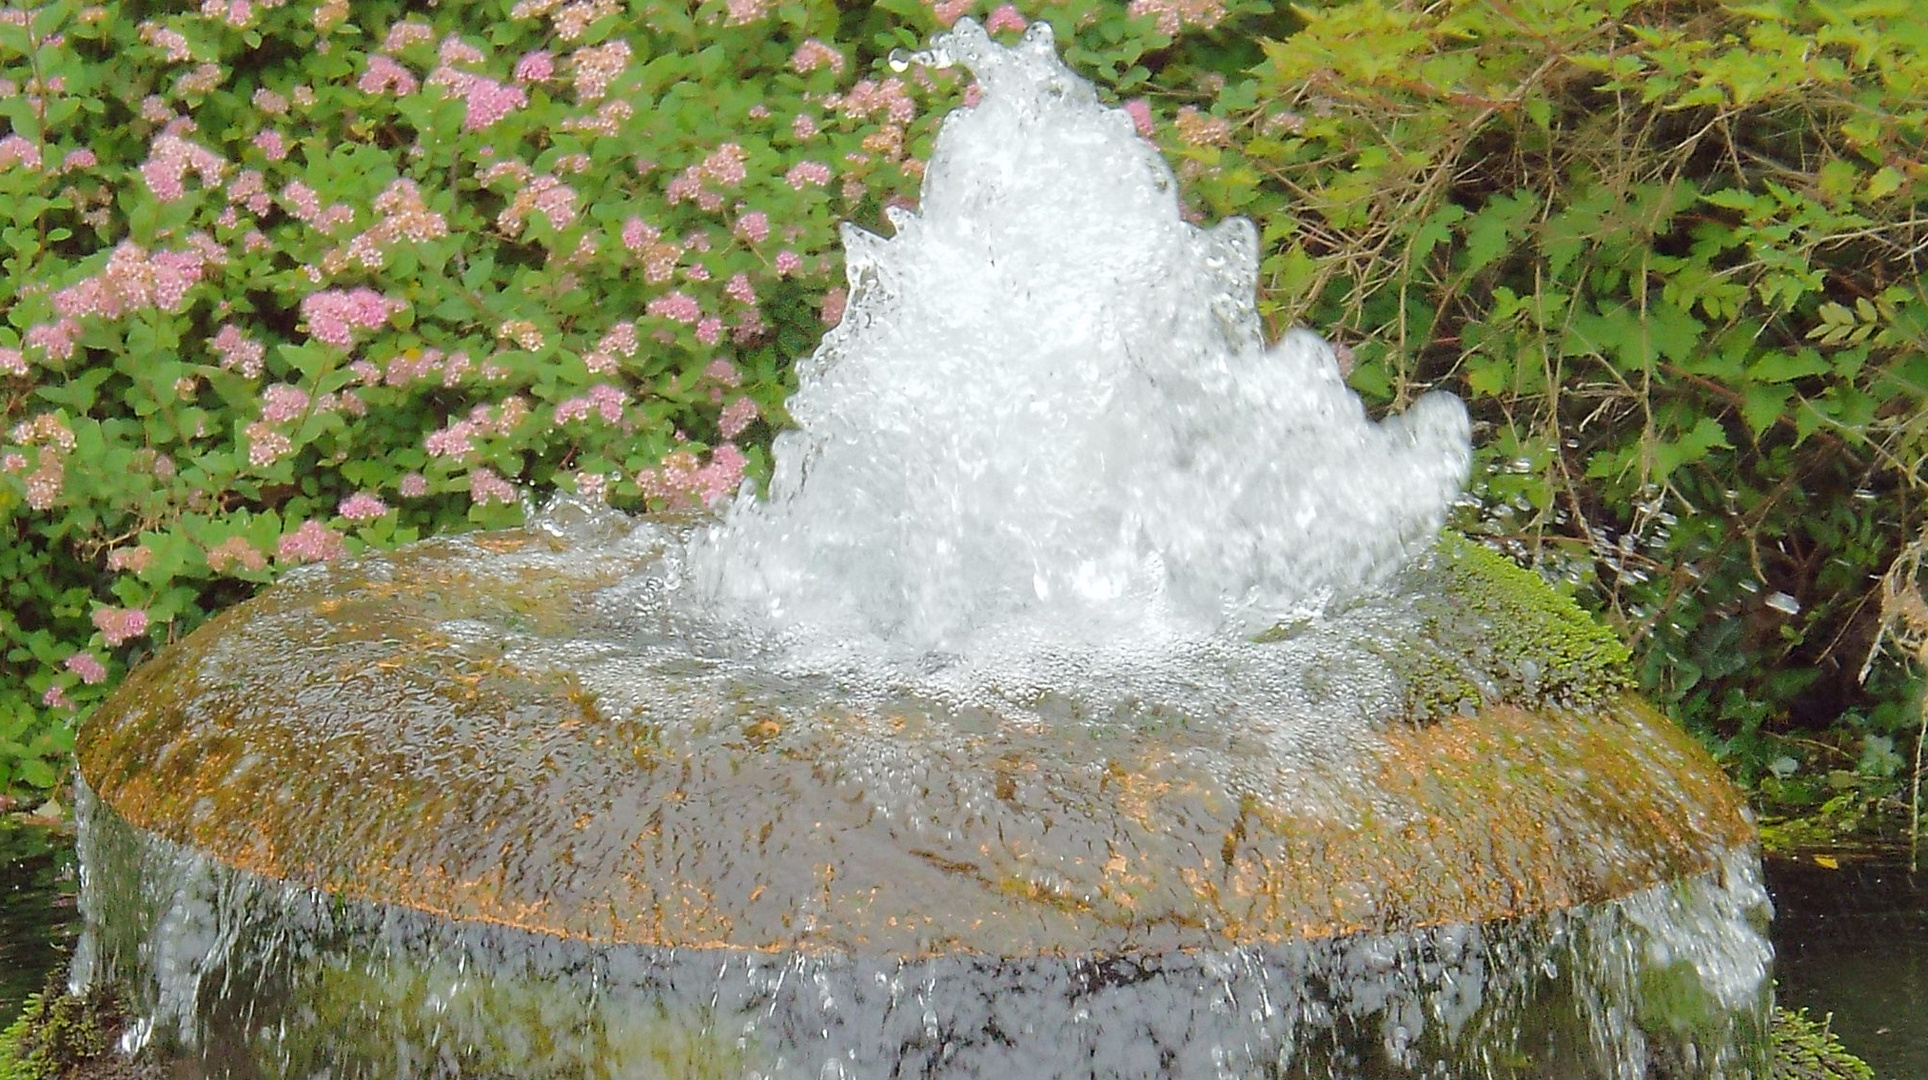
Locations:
(287, 280)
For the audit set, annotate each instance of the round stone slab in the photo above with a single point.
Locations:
(367, 729)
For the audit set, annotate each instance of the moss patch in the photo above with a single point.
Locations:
(63, 1036)
(1492, 631)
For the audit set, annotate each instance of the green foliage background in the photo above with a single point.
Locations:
(1668, 250)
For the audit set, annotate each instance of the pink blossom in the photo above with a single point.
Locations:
(15, 150)
(675, 306)
(736, 416)
(486, 487)
(78, 159)
(949, 11)
(787, 262)
(413, 486)
(361, 506)
(753, 226)
(235, 551)
(266, 445)
(1140, 112)
(236, 351)
(137, 558)
(12, 362)
(170, 159)
(133, 280)
(747, 11)
(486, 100)
(621, 339)
(385, 76)
(1202, 129)
(637, 233)
(404, 34)
(281, 403)
(56, 698)
(833, 306)
(1174, 15)
(119, 624)
(545, 195)
(312, 542)
(739, 289)
(709, 330)
(537, 66)
(453, 441)
(1006, 17)
(88, 667)
(724, 372)
(803, 126)
(454, 50)
(333, 315)
(684, 479)
(814, 54)
(810, 173)
(594, 69)
(56, 340)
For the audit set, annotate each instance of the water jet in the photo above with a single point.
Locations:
(1088, 696)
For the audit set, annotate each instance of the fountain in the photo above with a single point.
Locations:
(1088, 697)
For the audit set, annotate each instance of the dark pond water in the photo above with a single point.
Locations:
(1852, 940)
(37, 916)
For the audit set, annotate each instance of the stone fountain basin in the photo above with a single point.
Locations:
(362, 730)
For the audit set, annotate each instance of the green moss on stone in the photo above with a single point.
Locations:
(61, 1035)
(1492, 631)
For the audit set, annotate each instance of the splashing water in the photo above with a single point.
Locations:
(1049, 405)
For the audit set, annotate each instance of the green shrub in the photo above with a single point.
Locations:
(1671, 254)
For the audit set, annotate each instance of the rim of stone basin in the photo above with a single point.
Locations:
(338, 734)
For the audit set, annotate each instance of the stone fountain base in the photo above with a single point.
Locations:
(374, 824)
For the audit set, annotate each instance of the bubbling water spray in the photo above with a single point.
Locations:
(1050, 404)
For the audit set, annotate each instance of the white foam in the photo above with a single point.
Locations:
(1049, 414)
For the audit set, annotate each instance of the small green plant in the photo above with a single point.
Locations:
(58, 1032)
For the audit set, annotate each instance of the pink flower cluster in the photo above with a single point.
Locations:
(742, 12)
(602, 400)
(683, 479)
(537, 66)
(675, 306)
(593, 69)
(807, 174)
(814, 54)
(362, 506)
(1174, 15)
(891, 98)
(403, 216)
(236, 351)
(333, 315)
(119, 624)
(235, 551)
(88, 667)
(619, 341)
(1006, 17)
(385, 76)
(724, 167)
(486, 487)
(312, 542)
(281, 403)
(265, 444)
(542, 194)
(412, 366)
(485, 100)
(736, 416)
(133, 280)
(305, 205)
(753, 226)
(15, 150)
(170, 159)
